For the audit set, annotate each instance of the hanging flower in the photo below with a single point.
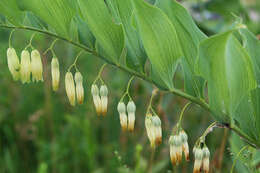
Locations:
(13, 63)
(79, 87)
(55, 73)
(104, 99)
(157, 129)
(25, 67)
(178, 144)
(185, 146)
(96, 98)
(36, 65)
(131, 108)
(173, 150)
(198, 159)
(150, 129)
(122, 115)
(70, 88)
(205, 161)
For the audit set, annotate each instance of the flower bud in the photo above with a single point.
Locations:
(70, 88)
(131, 115)
(104, 99)
(79, 87)
(96, 98)
(185, 146)
(36, 65)
(198, 160)
(205, 162)
(25, 67)
(55, 73)
(150, 129)
(13, 63)
(121, 108)
(157, 129)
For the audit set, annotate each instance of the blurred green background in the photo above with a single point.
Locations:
(40, 131)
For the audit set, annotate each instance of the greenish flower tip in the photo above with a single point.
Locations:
(94, 90)
(121, 108)
(131, 108)
(156, 121)
(103, 90)
(184, 136)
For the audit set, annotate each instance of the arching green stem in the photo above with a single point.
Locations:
(175, 91)
(75, 62)
(10, 37)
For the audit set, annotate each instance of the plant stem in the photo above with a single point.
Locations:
(182, 112)
(151, 101)
(127, 89)
(126, 69)
(10, 37)
(238, 154)
(75, 62)
(51, 47)
(175, 91)
(150, 164)
(100, 73)
(30, 43)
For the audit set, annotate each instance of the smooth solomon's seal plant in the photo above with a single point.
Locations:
(148, 41)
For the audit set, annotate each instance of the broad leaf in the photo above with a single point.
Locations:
(109, 35)
(159, 39)
(135, 53)
(245, 115)
(190, 36)
(227, 67)
(56, 13)
(252, 101)
(11, 11)
(85, 35)
(252, 45)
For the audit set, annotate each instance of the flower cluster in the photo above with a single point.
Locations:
(100, 98)
(178, 144)
(30, 68)
(30, 64)
(127, 121)
(153, 129)
(201, 155)
(73, 91)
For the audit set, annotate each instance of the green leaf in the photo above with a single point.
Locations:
(136, 56)
(159, 39)
(33, 21)
(245, 114)
(252, 45)
(227, 67)
(109, 35)
(56, 13)
(252, 101)
(190, 36)
(85, 35)
(11, 11)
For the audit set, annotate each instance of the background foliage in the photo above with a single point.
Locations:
(41, 132)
